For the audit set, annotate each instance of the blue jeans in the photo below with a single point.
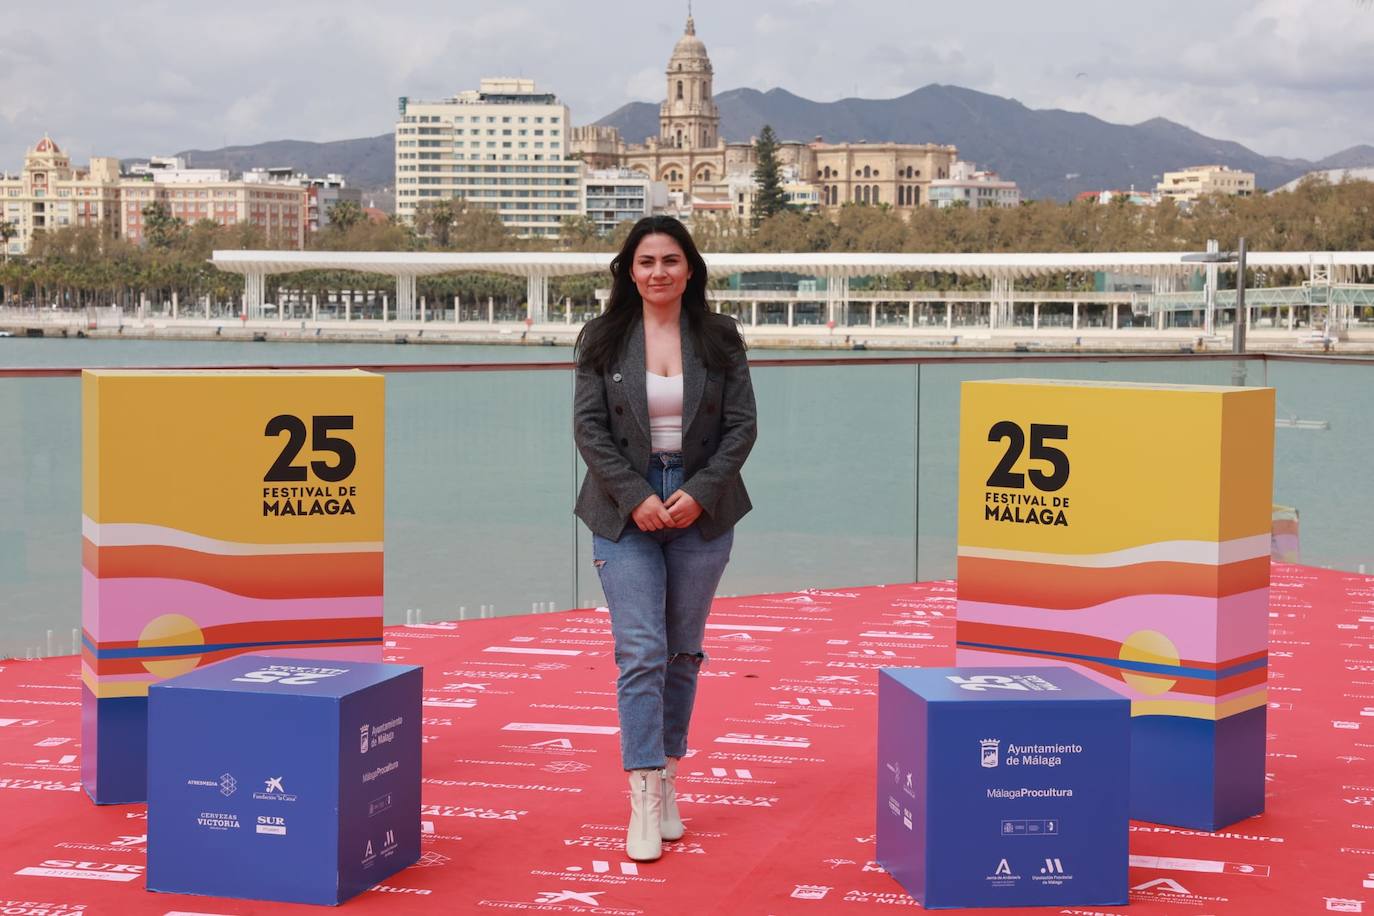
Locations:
(659, 586)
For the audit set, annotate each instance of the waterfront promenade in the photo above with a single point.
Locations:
(873, 326)
(1143, 301)
(895, 335)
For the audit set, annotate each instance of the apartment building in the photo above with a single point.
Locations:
(279, 210)
(969, 187)
(502, 146)
(321, 194)
(51, 194)
(1193, 182)
(614, 196)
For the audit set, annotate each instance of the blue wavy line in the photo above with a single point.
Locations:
(1205, 674)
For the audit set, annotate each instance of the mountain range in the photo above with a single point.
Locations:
(1050, 153)
(367, 162)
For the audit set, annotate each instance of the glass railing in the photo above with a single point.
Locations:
(853, 479)
(40, 514)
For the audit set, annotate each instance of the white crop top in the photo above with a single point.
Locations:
(665, 411)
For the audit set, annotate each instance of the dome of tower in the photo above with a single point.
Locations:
(689, 46)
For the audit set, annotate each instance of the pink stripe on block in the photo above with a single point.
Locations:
(126, 606)
(1203, 629)
(327, 653)
(90, 607)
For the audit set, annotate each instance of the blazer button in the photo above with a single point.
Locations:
(619, 409)
(616, 377)
(624, 442)
(705, 441)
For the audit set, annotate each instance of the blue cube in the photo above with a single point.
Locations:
(283, 779)
(1003, 787)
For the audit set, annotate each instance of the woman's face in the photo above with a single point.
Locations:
(660, 270)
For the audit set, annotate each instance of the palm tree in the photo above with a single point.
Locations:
(8, 230)
(345, 215)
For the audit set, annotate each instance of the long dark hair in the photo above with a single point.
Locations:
(716, 338)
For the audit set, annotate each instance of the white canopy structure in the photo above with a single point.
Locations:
(1001, 270)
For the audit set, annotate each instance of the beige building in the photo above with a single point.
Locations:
(503, 147)
(1195, 181)
(50, 194)
(278, 210)
(898, 174)
(688, 154)
(690, 157)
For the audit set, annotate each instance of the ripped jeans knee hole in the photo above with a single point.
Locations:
(697, 659)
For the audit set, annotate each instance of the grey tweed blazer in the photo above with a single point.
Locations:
(611, 428)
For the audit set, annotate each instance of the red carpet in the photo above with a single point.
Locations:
(525, 799)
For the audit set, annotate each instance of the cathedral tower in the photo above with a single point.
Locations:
(688, 118)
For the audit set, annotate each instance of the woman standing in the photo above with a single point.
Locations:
(663, 415)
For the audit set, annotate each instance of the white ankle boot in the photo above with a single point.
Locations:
(670, 826)
(642, 840)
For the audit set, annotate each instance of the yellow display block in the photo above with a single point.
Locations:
(1125, 529)
(222, 512)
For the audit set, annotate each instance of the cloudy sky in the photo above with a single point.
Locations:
(1285, 77)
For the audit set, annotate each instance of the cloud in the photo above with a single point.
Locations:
(898, 70)
(246, 115)
(769, 25)
(145, 111)
(1282, 77)
(1284, 46)
(646, 85)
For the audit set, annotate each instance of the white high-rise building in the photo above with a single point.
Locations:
(503, 146)
(968, 187)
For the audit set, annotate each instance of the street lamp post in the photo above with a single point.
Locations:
(1242, 316)
(1237, 258)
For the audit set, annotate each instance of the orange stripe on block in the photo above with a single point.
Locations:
(1046, 585)
(307, 575)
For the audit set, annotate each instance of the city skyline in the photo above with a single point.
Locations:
(1282, 81)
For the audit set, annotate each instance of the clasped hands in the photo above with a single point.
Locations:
(654, 514)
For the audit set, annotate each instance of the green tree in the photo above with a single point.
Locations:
(12, 276)
(721, 232)
(579, 233)
(160, 228)
(8, 230)
(244, 236)
(434, 220)
(478, 228)
(862, 227)
(366, 235)
(616, 239)
(345, 214)
(795, 230)
(770, 197)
